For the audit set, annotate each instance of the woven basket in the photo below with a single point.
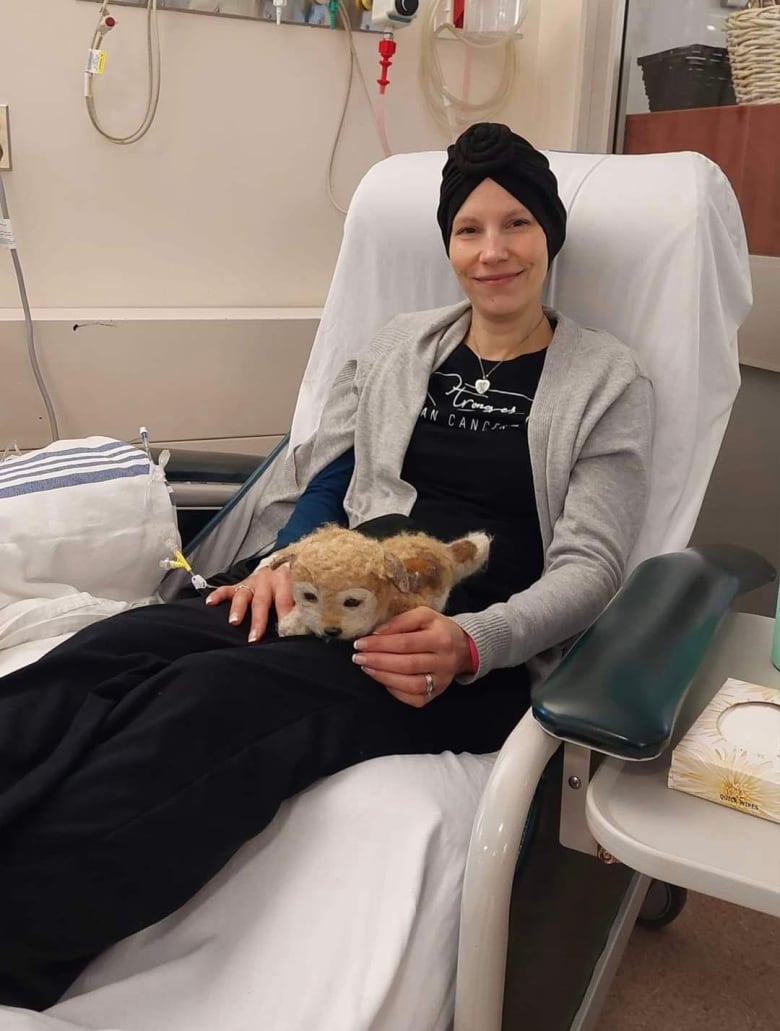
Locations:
(753, 39)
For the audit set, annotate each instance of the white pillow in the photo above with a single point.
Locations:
(84, 527)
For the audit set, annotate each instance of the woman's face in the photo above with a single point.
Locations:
(499, 252)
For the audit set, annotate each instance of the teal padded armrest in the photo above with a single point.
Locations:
(620, 687)
(208, 466)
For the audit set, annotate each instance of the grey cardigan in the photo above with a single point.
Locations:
(589, 435)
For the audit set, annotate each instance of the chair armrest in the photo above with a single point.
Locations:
(621, 686)
(208, 466)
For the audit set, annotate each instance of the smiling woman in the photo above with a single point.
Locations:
(501, 228)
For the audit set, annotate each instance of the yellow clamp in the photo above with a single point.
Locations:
(179, 562)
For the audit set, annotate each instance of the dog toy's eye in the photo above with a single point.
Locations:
(309, 596)
(352, 603)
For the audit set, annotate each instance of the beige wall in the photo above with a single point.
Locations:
(220, 214)
(224, 202)
(190, 378)
(742, 505)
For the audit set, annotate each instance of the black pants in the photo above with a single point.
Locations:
(139, 755)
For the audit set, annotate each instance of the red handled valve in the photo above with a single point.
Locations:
(387, 48)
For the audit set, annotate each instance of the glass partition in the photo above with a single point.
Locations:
(704, 75)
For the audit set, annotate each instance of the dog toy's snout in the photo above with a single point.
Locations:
(332, 631)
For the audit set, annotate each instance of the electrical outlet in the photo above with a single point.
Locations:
(5, 139)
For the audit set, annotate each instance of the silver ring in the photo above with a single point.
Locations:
(245, 587)
(430, 687)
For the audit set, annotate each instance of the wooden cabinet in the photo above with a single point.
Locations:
(744, 140)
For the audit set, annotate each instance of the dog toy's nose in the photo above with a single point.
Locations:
(332, 631)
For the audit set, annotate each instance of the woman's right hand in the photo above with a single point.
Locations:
(264, 589)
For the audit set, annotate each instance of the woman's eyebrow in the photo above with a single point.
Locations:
(519, 212)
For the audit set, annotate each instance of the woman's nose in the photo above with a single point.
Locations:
(493, 247)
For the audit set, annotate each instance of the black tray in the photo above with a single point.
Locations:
(690, 76)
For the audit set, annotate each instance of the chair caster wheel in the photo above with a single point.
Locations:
(663, 904)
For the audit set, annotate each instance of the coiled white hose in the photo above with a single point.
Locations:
(450, 111)
(154, 62)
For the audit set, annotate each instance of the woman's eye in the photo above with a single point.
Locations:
(309, 596)
(351, 603)
(521, 222)
(466, 231)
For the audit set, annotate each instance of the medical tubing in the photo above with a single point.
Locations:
(28, 322)
(342, 116)
(449, 110)
(154, 64)
(381, 111)
(354, 62)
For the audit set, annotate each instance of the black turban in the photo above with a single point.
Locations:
(488, 150)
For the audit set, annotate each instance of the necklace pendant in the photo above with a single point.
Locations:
(482, 386)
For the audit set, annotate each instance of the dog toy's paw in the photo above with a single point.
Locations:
(292, 625)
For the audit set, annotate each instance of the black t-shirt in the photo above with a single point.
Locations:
(469, 461)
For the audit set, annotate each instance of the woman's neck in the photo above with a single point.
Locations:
(500, 340)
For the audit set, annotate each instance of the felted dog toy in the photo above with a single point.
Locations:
(345, 584)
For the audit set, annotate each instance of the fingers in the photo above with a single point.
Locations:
(409, 649)
(411, 690)
(220, 594)
(407, 622)
(239, 600)
(283, 595)
(411, 633)
(256, 595)
(261, 606)
(416, 665)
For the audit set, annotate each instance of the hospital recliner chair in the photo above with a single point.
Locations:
(343, 913)
(655, 254)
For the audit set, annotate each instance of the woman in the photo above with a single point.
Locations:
(138, 756)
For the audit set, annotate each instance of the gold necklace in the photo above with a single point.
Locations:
(483, 385)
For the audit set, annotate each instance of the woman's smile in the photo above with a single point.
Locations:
(499, 279)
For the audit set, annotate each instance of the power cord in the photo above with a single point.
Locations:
(95, 67)
(28, 322)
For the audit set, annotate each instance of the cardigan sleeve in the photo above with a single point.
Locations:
(591, 543)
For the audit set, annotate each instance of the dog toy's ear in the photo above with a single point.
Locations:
(396, 572)
(469, 554)
(280, 557)
(420, 573)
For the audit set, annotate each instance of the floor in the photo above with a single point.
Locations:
(716, 967)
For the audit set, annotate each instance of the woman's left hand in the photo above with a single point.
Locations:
(415, 655)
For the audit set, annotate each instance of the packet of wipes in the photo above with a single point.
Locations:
(731, 754)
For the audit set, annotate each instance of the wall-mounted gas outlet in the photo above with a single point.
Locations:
(5, 139)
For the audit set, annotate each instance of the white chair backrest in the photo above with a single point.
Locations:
(655, 253)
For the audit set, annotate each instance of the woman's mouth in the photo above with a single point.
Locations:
(498, 280)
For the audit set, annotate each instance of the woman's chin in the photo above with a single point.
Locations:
(500, 306)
